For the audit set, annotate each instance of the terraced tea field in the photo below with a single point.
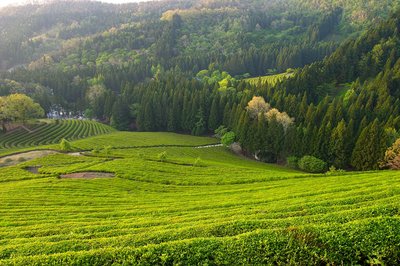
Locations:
(50, 132)
(194, 206)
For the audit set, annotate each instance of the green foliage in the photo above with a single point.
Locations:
(391, 136)
(96, 151)
(312, 164)
(198, 162)
(221, 131)
(51, 132)
(163, 156)
(120, 115)
(338, 147)
(107, 150)
(18, 107)
(65, 145)
(89, 113)
(370, 148)
(228, 138)
(292, 162)
(200, 125)
(248, 206)
(333, 171)
(270, 79)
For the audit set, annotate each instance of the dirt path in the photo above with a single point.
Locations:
(209, 146)
(88, 175)
(17, 158)
(24, 156)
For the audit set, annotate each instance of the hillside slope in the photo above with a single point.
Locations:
(61, 41)
(223, 210)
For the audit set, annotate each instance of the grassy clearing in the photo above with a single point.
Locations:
(226, 211)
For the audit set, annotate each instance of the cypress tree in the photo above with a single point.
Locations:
(338, 149)
(227, 115)
(200, 125)
(321, 148)
(120, 115)
(370, 148)
(213, 121)
(275, 141)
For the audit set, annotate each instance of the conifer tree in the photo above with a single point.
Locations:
(120, 115)
(213, 121)
(370, 148)
(338, 146)
(200, 125)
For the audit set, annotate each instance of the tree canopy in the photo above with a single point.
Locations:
(18, 107)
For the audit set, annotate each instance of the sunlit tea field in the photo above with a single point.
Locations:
(170, 199)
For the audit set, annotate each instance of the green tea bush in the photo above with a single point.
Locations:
(162, 157)
(312, 164)
(96, 151)
(292, 162)
(65, 145)
(334, 171)
(107, 150)
(198, 162)
(228, 138)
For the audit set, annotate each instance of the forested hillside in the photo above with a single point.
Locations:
(181, 66)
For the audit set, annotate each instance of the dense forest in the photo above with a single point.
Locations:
(181, 66)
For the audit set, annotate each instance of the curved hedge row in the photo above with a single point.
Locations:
(50, 133)
(305, 246)
(345, 220)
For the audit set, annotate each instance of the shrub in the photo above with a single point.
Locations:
(107, 150)
(334, 171)
(292, 162)
(162, 157)
(95, 151)
(198, 162)
(65, 145)
(221, 131)
(21, 159)
(312, 164)
(8, 160)
(228, 138)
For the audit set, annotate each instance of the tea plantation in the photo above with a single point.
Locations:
(191, 206)
(51, 131)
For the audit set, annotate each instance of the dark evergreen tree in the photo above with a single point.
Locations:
(213, 120)
(338, 145)
(370, 148)
(120, 117)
